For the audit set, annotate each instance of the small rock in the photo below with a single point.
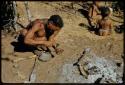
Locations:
(87, 49)
(45, 56)
(15, 66)
(33, 78)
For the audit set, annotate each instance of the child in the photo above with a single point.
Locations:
(105, 24)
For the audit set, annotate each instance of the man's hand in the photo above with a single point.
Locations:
(48, 43)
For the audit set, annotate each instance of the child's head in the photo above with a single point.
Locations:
(105, 12)
(96, 3)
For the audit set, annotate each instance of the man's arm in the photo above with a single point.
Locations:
(111, 27)
(29, 38)
(52, 37)
(90, 12)
(51, 41)
(55, 45)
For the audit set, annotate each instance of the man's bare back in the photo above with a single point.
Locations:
(36, 34)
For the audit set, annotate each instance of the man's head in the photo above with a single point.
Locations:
(55, 22)
(105, 12)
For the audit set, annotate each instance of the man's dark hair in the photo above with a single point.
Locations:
(105, 11)
(56, 20)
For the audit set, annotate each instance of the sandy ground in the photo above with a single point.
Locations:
(72, 38)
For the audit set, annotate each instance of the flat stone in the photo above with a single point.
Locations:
(99, 68)
(45, 56)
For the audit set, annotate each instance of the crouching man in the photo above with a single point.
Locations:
(41, 33)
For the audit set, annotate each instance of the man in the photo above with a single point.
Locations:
(42, 32)
(94, 14)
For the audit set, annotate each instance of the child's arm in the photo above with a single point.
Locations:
(111, 27)
(97, 10)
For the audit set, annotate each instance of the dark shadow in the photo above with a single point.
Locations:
(83, 25)
(85, 14)
(76, 63)
(98, 81)
(5, 59)
(119, 29)
(21, 47)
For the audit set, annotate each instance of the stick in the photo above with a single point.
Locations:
(28, 11)
(20, 59)
(83, 71)
(32, 76)
(15, 15)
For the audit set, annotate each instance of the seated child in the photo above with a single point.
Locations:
(105, 24)
(94, 14)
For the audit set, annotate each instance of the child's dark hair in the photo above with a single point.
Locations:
(105, 11)
(56, 20)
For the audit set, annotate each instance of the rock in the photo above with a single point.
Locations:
(45, 56)
(70, 74)
(15, 65)
(83, 71)
(93, 78)
(100, 70)
(87, 49)
(33, 78)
